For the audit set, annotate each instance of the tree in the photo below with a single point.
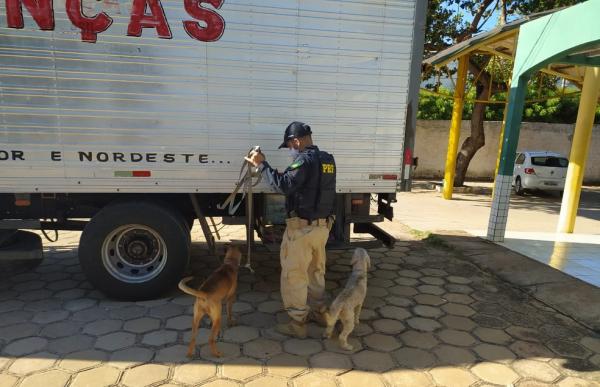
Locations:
(453, 21)
(548, 106)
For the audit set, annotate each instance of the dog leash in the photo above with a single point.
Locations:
(249, 216)
(244, 184)
(244, 178)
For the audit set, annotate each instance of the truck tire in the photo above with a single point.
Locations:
(189, 221)
(134, 250)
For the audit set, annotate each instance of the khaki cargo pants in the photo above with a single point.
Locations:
(303, 259)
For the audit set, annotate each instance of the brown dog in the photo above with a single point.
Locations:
(219, 287)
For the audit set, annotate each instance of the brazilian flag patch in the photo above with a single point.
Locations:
(296, 164)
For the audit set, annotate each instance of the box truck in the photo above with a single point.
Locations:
(129, 119)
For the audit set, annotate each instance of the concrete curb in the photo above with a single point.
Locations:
(570, 296)
(467, 189)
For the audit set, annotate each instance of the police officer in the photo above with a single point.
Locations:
(309, 187)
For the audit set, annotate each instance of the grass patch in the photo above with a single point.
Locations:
(437, 242)
(430, 238)
(419, 234)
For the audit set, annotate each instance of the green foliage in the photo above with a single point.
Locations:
(548, 107)
(436, 107)
(452, 21)
(443, 24)
(433, 107)
(532, 6)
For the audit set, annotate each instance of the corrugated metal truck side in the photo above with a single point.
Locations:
(127, 118)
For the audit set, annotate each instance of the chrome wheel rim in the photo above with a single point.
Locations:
(134, 253)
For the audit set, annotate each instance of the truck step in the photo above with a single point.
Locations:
(370, 228)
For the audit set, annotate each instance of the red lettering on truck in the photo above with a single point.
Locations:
(215, 24)
(208, 25)
(41, 11)
(90, 26)
(156, 19)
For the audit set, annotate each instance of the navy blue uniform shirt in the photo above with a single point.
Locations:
(301, 173)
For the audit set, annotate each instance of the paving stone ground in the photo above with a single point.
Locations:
(429, 319)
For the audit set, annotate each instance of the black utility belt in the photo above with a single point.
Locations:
(317, 221)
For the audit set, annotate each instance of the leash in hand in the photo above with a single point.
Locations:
(245, 184)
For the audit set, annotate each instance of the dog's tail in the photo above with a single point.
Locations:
(191, 291)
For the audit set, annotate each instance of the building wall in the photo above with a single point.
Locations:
(432, 142)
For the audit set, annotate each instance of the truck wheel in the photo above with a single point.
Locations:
(189, 221)
(134, 251)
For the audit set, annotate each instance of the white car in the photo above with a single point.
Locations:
(539, 170)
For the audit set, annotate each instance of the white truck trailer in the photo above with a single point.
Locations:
(128, 119)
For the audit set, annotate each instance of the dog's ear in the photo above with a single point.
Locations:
(368, 259)
(238, 244)
(237, 249)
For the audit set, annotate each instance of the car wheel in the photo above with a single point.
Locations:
(519, 190)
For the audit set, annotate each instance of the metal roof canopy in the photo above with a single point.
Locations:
(552, 40)
(501, 41)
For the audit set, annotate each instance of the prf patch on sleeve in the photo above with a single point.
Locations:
(296, 164)
(328, 168)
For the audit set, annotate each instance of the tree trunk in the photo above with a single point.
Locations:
(477, 138)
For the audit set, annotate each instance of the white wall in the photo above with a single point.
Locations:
(432, 141)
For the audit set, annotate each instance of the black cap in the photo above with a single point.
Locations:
(295, 130)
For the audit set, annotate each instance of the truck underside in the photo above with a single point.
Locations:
(136, 246)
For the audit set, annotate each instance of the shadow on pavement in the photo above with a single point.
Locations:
(546, 202)
(428, 309)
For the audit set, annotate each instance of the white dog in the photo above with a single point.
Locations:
(347, 305)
